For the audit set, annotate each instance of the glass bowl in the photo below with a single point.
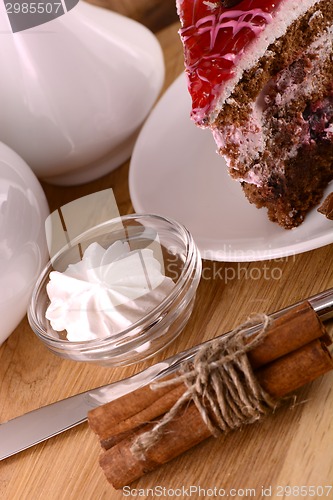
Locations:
(172, 246)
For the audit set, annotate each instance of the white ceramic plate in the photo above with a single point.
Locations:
(176, 172)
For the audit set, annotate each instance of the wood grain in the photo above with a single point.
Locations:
(291, 447)
(154, 14)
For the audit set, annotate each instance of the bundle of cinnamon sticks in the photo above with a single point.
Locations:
(293, 353)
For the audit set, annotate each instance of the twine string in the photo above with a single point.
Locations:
(221, 383)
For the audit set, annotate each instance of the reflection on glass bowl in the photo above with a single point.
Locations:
(172, 246)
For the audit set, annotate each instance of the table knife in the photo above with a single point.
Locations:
(43, 423)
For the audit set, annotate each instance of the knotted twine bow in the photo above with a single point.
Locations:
(221, 383)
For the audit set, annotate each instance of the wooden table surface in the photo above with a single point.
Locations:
(293, 447)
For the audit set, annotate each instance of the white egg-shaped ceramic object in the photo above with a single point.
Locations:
(74, 91)
(23, 250)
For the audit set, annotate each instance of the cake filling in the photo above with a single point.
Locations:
(260, 76)
(292, 115)
(319, 117)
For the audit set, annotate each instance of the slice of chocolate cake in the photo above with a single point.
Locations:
(260, 74)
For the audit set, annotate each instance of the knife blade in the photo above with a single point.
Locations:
(48, 421)
(43, 423)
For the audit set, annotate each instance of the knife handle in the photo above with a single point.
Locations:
(322, 303)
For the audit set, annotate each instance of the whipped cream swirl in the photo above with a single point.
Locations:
(106, 292)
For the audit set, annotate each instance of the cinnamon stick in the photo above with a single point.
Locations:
(153, 403)
(292, 354)
(292, 330)
(117, 419)
(121, 467)
(298, 368)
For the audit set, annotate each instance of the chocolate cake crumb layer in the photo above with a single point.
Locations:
(276, 129)
(260, 74)
(282, 53)
(326, 208)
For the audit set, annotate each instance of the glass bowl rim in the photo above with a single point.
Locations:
(144, 324)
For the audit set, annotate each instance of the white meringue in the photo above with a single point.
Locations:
(106, 292)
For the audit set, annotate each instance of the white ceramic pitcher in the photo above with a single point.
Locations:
(74, 91)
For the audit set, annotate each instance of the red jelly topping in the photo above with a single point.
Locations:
(214, 39)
